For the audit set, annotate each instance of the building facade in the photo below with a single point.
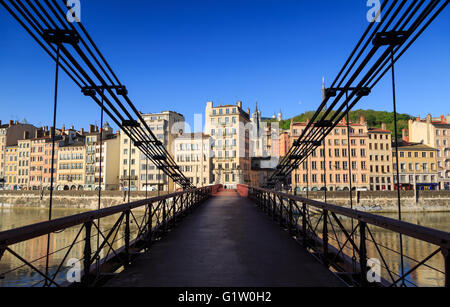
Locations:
(193, 156)
(9, 135)
(133, 163)
(24, 163)
(230, 129)
(11, 167)
(71, 166)
(418, 167)
(435, 132)
(109, 155)
(380, 152)
(334, 169)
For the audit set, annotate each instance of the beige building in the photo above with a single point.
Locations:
(9, 135)
(336, 166)
(71, 166)
(24, 163)
(418, 167)
(380, 161)
(165, 126)
(193, 156)
(435, 132)
(229, 127)
(110, 163)
(92, 139)
(11, 167)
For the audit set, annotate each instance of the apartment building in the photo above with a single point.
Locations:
(38, 144)
(23, 174)
(193, 156)
(109, 157)
(418, 167)
(380, 151)
(311, 174)
(230, 128)
(11, 167)
(92, 139)
(9, 135)
(133, 163)
(71, 166)
(435, 132)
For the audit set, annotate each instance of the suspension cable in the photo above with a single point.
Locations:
(402, 266)
(52, 172)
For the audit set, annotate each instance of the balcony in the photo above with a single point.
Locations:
(128, 177)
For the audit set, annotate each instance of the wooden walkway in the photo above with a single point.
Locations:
(227, 242)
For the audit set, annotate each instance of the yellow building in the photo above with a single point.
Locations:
(23, 173)
(435, 132)
(11, 167)
(110, 155)
(71, 167)
(418, 167)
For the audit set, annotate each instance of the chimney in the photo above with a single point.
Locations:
(91, 128)
(239, 104)
(82, 131)
(72, 127)
(383, 126)
(63, 128)
(418, 119)
(11, 123)
(362, 120)
(36, 133)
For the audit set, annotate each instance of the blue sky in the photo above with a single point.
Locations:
(179, 54)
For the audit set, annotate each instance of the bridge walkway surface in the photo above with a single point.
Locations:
(226, 242)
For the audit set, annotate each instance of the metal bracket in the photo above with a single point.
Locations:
(131, 123)
(392, 38)
(61, 37)
(324, 124)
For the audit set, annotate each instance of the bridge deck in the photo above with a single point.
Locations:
(227, 242)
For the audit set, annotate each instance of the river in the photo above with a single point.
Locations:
(35, 250)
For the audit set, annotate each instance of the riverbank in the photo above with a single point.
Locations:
(386, 201)
(376, 202)
(86, 200)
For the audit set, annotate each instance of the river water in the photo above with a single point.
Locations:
(35, 250)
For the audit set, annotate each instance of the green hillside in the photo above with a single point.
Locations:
(373, 119)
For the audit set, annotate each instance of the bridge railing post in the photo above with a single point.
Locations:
(274, 206)
(446, 254)
(304, 221)
(87, 253)
(281, 210)
(164, 217)
(127, 237)
(150, 224)
(325, 237)
(363, 253)
(290, 221)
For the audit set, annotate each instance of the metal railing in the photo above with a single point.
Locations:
(101, 253)
(344, 239)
